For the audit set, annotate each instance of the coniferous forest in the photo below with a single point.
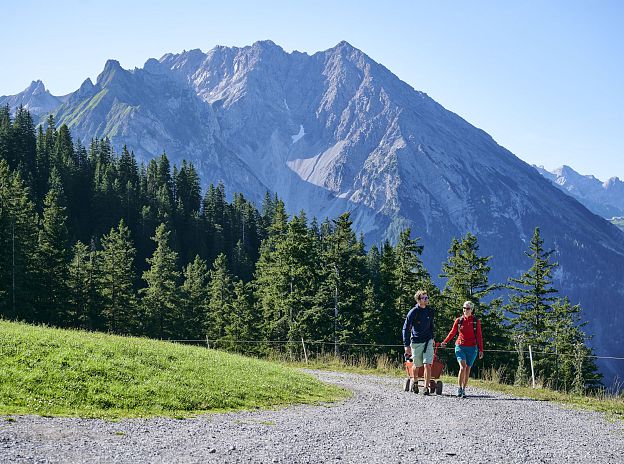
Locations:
(91, 239)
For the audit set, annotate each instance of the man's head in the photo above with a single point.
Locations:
(467, 308)
(421, 298)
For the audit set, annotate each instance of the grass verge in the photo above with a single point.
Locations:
(48, 371)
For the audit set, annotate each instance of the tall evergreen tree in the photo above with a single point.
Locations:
(119, 305)
(242, 324)
(221, 298)
(54, 257)
(341, 293)
(573, 366)
(467, 275)
(531, 301)
(161, 297)
(79, 285)
(195, 298)
(18, 245)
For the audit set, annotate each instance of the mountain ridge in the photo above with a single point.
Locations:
(603, 198)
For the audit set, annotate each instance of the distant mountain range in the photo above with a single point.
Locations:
(603, 198)
(336, 131)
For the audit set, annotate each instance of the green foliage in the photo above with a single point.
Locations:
(53, 258)
(221, 297)
(551, 326)
(160, 298)
(119, 305)
(195, 299)
(18, 245)
(467, 280)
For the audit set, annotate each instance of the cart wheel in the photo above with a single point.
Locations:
(432, 386)
(439, 386)
(415, 386)
(406, 385)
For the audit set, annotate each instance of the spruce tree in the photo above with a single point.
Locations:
(531, 301)
(341, 293)
(54, 257)
(119, 305)
(161, 297)
(18, 247)
(573, 367)
(242, 325)
(409, 276)
(220, 299)
(195, 298)
(467, 275)
(78, 284)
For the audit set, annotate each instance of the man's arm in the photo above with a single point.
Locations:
(407, 329)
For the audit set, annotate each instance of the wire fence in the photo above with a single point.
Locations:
(220, 341)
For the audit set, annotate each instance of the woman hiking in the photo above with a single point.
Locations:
(468, 345)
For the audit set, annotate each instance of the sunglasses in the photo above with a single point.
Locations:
(467, 307)
(426, 298)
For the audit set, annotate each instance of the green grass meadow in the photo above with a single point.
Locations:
(49, 371)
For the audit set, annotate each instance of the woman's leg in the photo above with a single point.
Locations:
(466, 375)
(460, 376)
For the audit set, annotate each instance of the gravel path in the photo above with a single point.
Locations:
(379, 424)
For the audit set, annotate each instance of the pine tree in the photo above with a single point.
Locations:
(573, 366)
(410, 275)
(161, 297)
(18, 245)
(6, 150)
(531, 301)
(119, 305)
(195, 298)
(341, 293)
(54, 257)
(79, 285)
(23, 144)
(221, 297)
(242, 325)
(467, 276)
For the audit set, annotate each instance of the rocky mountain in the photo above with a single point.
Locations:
(336, 131)
(603, 198)
(35, 98)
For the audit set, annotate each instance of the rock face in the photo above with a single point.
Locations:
(336, 131)
(36, 99)
(603, 198)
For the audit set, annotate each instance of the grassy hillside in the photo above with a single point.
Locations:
(61, 372)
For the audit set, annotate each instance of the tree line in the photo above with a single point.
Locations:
(91, 239)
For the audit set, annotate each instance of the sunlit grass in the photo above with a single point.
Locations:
(73, 373)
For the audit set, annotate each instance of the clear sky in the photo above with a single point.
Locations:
(544, 78)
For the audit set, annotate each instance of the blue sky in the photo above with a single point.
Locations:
(545, 79)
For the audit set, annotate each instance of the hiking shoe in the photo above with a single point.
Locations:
(460, 392)
(426, 392)
(463, 393)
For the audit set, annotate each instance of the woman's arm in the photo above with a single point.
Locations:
(452, 333)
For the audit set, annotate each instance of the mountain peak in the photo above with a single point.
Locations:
(111, 68)
(36, 87)
(344, 47)
(265, 44)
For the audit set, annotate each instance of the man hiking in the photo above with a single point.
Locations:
(418, 338)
